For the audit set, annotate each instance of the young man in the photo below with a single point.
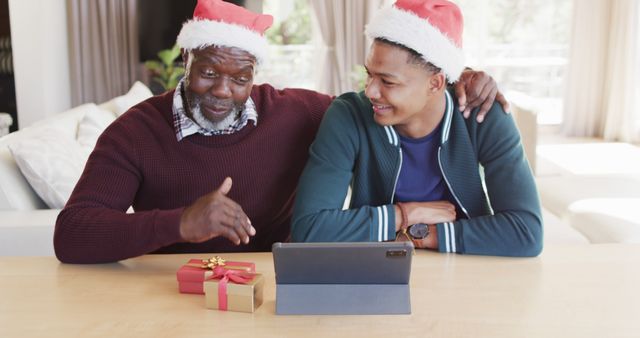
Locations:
(210, 167)
(415, 167)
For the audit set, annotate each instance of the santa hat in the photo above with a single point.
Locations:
(219, 23)
(432, 28)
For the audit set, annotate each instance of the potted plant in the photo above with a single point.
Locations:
(166, 72)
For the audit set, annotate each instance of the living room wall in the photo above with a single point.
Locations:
(40, 58)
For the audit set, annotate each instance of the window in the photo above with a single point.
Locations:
(291, 48)
(524, 45)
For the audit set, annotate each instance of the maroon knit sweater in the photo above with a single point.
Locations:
(138, 162)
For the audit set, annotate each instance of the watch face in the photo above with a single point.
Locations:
(419, 230)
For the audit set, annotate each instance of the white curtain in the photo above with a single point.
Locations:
(601, 99)
(341, 25)
(621, 97)
(103, 48)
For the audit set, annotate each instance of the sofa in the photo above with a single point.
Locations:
(557, 228)
(40, 165)
(594, 187)
(586, 186)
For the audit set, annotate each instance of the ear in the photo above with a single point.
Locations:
(437, 82)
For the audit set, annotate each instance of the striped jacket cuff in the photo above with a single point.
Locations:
(449, 237)
(383, 226)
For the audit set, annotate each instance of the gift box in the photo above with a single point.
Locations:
(192, 275)
(233, 290)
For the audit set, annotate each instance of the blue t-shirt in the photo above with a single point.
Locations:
(420, 178)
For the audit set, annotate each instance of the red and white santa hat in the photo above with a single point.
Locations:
(219, 23)
(432, 28)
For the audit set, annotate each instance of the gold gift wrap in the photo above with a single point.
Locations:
(240, 297)
(191, 275)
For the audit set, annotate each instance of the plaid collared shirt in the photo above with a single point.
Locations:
(185, 126)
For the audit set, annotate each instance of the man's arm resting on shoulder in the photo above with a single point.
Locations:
(474, 89)
(478, 89)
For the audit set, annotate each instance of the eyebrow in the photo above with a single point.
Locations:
(209, 59)
(381, 74)
(245, 69)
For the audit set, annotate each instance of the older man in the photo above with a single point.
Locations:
(210, 167)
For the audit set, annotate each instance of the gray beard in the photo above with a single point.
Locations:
(205, 123)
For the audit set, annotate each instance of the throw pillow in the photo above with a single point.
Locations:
(91, 126)
(119, 105)
(52, 164)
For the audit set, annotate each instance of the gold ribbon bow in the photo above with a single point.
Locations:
(213, 262)
(210, 264)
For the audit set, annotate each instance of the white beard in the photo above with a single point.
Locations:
(205, 123)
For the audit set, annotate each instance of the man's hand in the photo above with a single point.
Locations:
(475, 89)
(430, 212)
(214, 215)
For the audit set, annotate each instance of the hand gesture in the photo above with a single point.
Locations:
(214, 215)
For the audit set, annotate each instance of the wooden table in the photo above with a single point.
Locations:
(579, 291)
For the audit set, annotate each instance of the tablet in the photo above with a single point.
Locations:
(342, 278)
(343, 263)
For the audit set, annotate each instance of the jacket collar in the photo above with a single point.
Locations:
(448, 115)
(392, 135)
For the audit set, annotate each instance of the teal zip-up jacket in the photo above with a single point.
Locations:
(483, 165)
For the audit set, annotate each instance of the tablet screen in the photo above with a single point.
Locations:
(343, 263)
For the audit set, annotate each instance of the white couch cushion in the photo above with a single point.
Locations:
(52, 163)
(558, 231)
(82, 123)
(591, 159)
(94, 122)
(15, 191)
(607, 220)
(558, 193)
(66, 122)
(119, 105)
(601, 207)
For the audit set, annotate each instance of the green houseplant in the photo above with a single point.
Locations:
(359, 77)
(166, 71)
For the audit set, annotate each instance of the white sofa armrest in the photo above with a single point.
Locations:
(525, 115)
(15, 191)
(558, 231)
(27, 233)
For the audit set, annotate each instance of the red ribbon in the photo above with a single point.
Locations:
(224, 275)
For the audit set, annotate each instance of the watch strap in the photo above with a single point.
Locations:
(405, 218)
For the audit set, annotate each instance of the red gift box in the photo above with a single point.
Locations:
(192, 275)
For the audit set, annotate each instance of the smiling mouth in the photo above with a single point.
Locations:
(380, 108)
(217, 111)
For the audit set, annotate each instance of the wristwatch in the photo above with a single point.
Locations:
(418, 230)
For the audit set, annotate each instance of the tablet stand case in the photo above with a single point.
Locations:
(343, 280)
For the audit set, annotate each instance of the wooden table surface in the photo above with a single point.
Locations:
(572, 291)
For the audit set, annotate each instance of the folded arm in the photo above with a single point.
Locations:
(515, 227)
